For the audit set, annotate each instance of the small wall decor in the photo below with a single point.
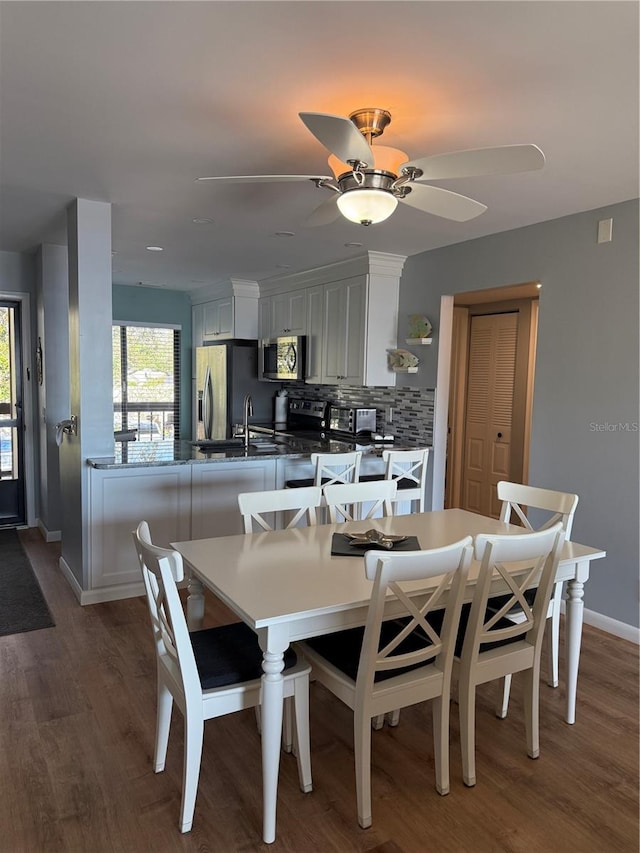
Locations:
(402, 361)
(419, 326)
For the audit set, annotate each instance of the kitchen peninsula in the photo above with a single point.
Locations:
(186, 492)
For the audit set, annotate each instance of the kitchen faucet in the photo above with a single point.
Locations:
(247, 412)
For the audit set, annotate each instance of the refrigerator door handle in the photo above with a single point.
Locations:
(207, 404)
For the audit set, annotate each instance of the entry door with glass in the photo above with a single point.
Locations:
(12, 510)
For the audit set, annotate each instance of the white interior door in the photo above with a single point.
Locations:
(489, 410)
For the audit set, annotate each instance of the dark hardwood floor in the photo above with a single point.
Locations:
(77, 712)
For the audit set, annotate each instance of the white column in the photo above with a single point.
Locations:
(90, 371)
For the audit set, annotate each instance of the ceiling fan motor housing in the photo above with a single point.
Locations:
(371, 121)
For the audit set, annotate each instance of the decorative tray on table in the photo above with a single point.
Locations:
(374, 537)
(353, 544)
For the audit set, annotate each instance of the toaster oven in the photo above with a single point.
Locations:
(352, 421)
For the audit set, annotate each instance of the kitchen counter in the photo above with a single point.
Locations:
(147, 454)
(185, 493)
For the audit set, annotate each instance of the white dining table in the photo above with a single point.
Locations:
(287, 586)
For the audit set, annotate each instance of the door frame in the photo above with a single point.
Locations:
(443, 376)
(27, 401)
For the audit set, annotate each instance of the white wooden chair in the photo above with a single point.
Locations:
(345, 500)
(331, 468)
(301, 503)
(401, 662)
(492, 646)
(409, 469)
(209, 673)
(562, 506)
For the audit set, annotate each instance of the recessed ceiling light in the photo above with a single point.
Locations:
(348, 245)
(284, 266)
(202, 220)
(155, 249)
(285, 233)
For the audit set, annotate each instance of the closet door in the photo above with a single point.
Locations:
(489, 410)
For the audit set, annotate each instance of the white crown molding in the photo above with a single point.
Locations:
(245, 287)
(221, 289)
(374, 263)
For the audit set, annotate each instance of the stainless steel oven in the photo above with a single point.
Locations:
(283, 358)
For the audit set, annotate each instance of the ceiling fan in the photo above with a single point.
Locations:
(369, 180)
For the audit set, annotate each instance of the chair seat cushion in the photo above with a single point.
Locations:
(230, 654)
(299, 484)
(484, 647)
(498, 601)
(401, 483)
(304, 483)
(342, 649)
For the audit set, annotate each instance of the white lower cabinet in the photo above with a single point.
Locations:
(179, 502)
(120, 498)
(215, 490)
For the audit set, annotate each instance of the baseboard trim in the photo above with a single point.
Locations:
(99, 596)
(112, 593)
(609, 625)
(49, 535)
(65, 568)
(612, 626)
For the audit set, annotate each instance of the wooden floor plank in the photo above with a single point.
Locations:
(77, 707)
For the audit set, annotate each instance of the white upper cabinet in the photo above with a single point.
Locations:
(217, 321)
(315, 333)
(284, 314)
(264, 317)
(344, 332)
(234, 315)
(349, 314)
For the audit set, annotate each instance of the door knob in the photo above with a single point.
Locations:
(499, 435)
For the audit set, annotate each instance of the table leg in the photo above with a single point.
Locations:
(272, 703)
(573, 638)
(195, 604)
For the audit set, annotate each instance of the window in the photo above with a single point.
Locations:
(146, 381)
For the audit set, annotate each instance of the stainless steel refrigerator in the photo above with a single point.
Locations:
(225, 372)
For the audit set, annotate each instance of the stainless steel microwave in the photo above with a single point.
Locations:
(283, 359)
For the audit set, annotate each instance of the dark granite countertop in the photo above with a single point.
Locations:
(144, 454)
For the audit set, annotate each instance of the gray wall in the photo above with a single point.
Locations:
(17, 272)
(586, 381)
(153, 305)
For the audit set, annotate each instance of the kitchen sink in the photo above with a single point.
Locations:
(264, 443)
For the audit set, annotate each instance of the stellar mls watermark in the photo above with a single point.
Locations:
(618, 426)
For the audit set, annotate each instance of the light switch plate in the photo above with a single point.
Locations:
(605, 230)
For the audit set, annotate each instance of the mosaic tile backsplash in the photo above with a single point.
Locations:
(412, 407)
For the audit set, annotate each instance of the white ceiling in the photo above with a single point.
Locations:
(129, 102)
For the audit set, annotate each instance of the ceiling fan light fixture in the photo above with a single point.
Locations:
(367, 207)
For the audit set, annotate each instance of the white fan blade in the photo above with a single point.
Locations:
(443, 203)
(325, 213)
(340, 136)
(262, 179)
(479, 161)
